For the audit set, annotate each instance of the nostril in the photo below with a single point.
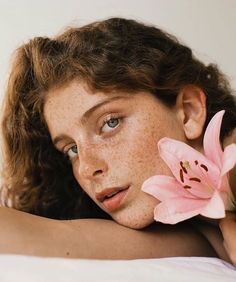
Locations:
(97, 172)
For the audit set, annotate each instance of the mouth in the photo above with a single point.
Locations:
(112, 198)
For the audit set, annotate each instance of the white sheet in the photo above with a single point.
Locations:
(14, 268)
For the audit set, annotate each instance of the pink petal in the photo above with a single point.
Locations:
(211, 141)
(224, 186)
(164, 187)
(200, 190)
(173, 152)
(215, 207)
(178, 209)
(229, 158)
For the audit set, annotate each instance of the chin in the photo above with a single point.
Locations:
(135, 223)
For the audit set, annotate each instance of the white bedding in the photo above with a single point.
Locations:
(15, 268)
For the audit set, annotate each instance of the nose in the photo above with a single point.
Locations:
(92, 163)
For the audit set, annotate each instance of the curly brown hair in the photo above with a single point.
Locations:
(115, 54)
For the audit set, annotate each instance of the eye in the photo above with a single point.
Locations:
(110, 124)
(72, 152)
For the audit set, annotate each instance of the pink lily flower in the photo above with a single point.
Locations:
(200, 184)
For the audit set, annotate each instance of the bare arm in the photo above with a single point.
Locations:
(228, 229)
(222, 237)
(214, 236)
(22, 233)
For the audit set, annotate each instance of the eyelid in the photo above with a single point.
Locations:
(73, 154)
(66, 148)
(103, 120)
(109, 117)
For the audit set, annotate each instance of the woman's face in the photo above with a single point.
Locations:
(111, 140)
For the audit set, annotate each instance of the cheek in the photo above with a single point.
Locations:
(82, 182)
(138, 213)
(141, 151)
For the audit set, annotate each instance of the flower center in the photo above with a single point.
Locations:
(189, 176)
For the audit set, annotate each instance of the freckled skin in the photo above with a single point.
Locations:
(128, 156)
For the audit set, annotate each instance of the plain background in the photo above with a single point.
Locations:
(208, 26)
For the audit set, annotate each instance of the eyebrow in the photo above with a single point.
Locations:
(88, 113)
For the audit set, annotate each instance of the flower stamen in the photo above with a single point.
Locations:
(183, 167)
(204, 167)
(181, 175)
(195, 179)
(187, 187)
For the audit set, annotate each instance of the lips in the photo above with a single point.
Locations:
(111, 198)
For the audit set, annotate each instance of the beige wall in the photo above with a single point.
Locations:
(208, 26)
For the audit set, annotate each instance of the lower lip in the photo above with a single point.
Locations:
(114, 202)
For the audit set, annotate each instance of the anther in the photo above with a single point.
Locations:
(187, 186)
(196, 162)
(181, 175)
(195, 179)
(204, 167)
(183, 168)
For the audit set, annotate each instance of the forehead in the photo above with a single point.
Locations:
(79, 94)
(67, 95)
(68, 103)
(65, 107)
(73, 98)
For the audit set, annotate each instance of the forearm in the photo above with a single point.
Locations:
(22, 233)
(214, 236)
(105, 239)
(228, 229)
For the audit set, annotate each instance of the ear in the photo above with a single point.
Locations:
(191, 109)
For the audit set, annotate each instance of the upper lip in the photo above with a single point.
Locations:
(100, 196)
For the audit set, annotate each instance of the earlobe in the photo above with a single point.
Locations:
(191, 107)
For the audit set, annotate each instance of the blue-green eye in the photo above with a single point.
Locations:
(72, 152)
(110, 124)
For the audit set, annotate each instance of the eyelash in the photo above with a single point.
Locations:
(109, 118)
(68, 150)
(105, 121)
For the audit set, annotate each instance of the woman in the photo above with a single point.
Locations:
(83, 114)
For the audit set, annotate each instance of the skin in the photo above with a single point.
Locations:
(26, 234)
(228, 229)
(23, 233)
(221, 234)
(98, 145)
(103, 156)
